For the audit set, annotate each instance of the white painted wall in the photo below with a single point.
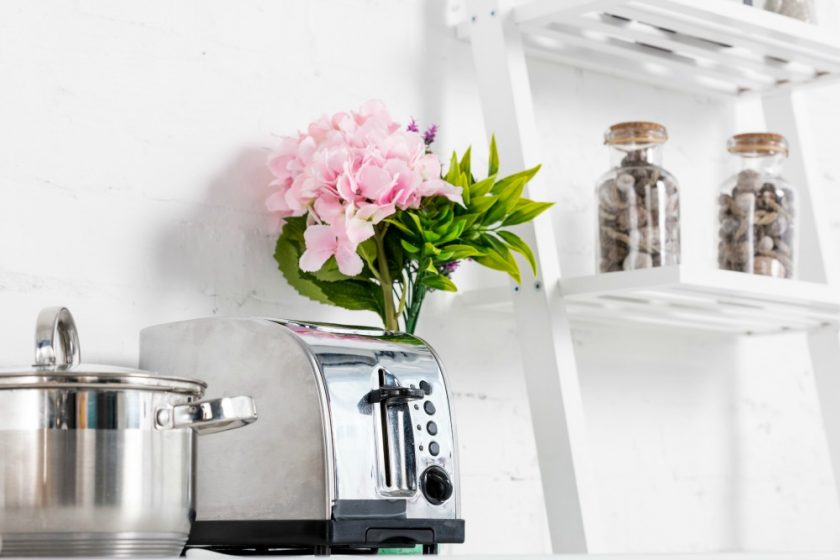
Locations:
(132, 142)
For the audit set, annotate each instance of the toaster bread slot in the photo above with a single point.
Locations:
(397, 464)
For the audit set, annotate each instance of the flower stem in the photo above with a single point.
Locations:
(418, 293)
(390, 318)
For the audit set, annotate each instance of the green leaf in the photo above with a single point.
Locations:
(465, 164)
(356, 295)
(511, 195)
(505, 183)
(490, 240)
(518, 244)
(454, 232)
(498, 262)
(500, 253)
(409, 247)
(287, 253)
(396, 255)
(329, 272)
(430, 249)
(414, 220)
(454, 170)
(482, 187)
(482, 204)
(470, 220)
(439, 282)
(431, 236)
(459, 251)
(525, 211)
(493, 166)
(444, 220)
(367, 250)
(399, 225)
(496, 213)
(465, 188)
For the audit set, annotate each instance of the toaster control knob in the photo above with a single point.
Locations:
(436, 485)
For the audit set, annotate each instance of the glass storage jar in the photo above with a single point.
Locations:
(757, 217)
(638, 201)
(803, 10)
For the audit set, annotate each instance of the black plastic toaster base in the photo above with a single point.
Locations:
(343, 533)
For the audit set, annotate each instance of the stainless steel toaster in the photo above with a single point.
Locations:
(355, 447)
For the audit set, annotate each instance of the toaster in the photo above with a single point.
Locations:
(354, 449)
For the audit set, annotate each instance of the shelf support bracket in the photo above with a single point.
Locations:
(543, 329)
(784, 112)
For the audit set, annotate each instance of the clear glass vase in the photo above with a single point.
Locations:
(638, 202)
(757, 209)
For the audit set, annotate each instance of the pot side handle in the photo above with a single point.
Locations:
(209, 416)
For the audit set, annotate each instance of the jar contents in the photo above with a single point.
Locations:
(798, 9)
(757, 210)
(638, 203)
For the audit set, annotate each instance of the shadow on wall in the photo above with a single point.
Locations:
(218, 258)
(221, 250)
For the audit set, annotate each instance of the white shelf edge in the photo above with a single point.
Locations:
(685, 58)
(749, 286)
(690, 298)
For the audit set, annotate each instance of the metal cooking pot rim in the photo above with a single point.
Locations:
(58, 364)
(96, 376)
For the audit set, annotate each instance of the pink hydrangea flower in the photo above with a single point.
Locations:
(347, 173)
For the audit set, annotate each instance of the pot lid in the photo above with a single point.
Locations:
(58, 364)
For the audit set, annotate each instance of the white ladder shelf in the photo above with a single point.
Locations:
(715, 47)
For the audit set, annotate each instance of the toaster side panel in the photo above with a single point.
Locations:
(275, 468)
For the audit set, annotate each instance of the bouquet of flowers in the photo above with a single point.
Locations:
(370, 222)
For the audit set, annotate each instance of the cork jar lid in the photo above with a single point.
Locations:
(758, 144)
(636, 132)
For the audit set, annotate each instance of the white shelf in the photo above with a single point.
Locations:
(708, 47)
(711, 47)
(686, 298)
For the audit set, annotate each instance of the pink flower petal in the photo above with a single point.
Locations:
(374, 181)
(328, 208)
(383, 212)
(321, 244)
(276, 202)
(349, 262)
(312, 261)
(439, 187)
(359, 231)
(429, 167)
(320, 237)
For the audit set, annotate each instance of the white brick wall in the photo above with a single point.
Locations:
(132, 138)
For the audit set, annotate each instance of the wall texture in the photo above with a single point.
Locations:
(132, 142)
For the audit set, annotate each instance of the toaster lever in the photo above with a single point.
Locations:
(394, 394)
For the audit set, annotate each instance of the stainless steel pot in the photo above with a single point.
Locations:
(99, 460)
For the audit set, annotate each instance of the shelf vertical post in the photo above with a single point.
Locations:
(785, 114)
(545, 337)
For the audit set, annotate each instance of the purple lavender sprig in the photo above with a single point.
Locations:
(448, 268)
(412, 126)
(429, 135)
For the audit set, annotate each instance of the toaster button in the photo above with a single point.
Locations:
(429, 407)
(434, 448)
(426, 386)
(431, 427)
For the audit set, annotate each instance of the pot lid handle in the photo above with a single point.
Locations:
(54, 321)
